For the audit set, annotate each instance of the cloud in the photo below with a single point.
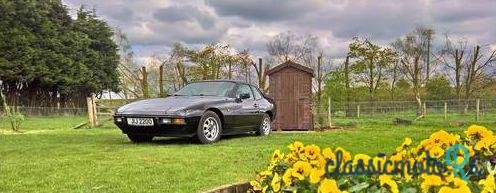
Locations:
(153, 25)
(265, 10)
(186, 13)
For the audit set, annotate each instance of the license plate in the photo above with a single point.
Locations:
(140, 121)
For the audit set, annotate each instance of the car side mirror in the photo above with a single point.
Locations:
(242, 96)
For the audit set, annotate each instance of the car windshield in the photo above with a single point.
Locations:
(206, 89)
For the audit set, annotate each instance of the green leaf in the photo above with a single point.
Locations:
(359, 187)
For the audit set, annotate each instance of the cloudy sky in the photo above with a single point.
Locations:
(153, 25)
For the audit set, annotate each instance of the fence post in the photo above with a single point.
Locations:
(329, 118)
(358, 111)
(95, 112)
(425, 109)
(91, 122)
(477, 109)
(144, 82)
(161, 80)
(445, 110)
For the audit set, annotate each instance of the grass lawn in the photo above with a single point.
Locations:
(50, 157)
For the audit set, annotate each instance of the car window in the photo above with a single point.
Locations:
(242, 89)
(256, 93)
(212, 88)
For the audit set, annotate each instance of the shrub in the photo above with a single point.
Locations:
(14, 116)
(303, 167)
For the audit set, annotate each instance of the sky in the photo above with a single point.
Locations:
(152, 26)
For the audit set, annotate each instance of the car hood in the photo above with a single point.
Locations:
(172, 105)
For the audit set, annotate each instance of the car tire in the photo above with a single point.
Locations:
(265, 126)
(209, 128)
(140, 138)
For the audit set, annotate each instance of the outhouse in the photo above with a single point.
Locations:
(290, 85)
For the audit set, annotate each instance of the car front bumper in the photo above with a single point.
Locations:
(158, 129)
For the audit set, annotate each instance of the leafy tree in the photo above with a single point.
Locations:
(371, 63)
(47, 57)
(438, 88)
(412, 51)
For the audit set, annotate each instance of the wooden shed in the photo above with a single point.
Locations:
(290, 85)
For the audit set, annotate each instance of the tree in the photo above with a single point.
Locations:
(261, 71)
(438, 88)
(177, 57)
(127, 69)
(411, 51)
(48, 58)
(454, 59)
(301, 49)
(371, 63)
(476, 71)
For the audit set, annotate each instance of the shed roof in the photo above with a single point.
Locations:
(290, 64)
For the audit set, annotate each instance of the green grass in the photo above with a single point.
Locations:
(50, 157)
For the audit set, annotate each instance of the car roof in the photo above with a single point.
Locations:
(226, 80)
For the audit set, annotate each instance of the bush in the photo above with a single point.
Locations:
(303, 167)
(14, 116)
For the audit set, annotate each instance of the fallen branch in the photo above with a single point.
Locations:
(79, 126)
(419, 117)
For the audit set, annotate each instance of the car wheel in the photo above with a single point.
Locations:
(209, 128)
(265, 127)
(140, 138)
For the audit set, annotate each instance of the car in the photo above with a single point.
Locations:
(204, 110)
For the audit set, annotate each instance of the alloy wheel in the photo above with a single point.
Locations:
(210, 128)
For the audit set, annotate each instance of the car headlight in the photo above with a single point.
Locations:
(183, 112)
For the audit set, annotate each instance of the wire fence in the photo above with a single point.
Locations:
(447, 110)
(475, 110)
(49, 111)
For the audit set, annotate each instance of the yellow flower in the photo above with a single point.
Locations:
(484, 144)
(255, 185)
(489, 184)
(328, 154)
(460, 187)
(328, 186)
(316, 175)
(436, 152)
(388, 182)
(301, 169)
(276, 183)
(379, 162)
(446, 189)
(475, 132)
(277, 156)
(406, 142)
(287, 177)
(443, 139)
(397, 157)
(312, 152)
(346, 154)
(296, 147)
(291, 158)
(363, 157)
(430, 181)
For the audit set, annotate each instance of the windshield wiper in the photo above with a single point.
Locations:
(201, 94)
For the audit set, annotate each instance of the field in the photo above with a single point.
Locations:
(51, 157)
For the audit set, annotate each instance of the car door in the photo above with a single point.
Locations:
(259, 104)
(245, 112)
